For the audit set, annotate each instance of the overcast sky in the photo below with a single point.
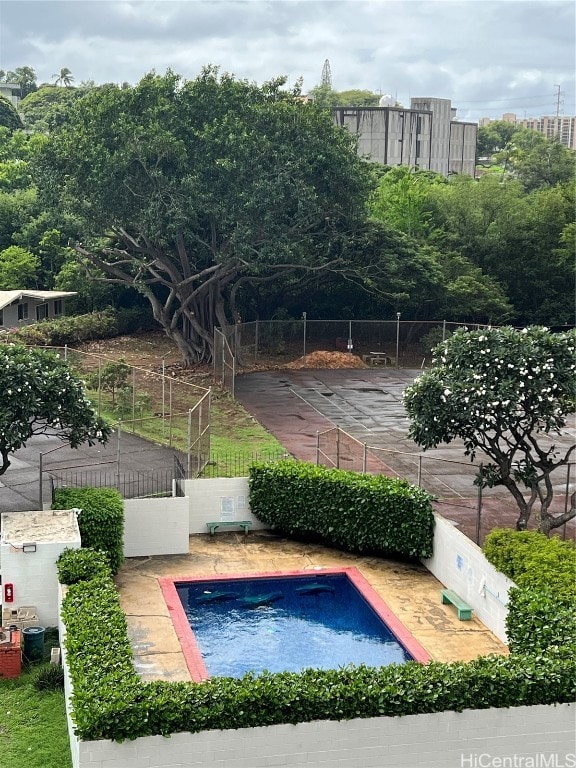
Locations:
(487, 56)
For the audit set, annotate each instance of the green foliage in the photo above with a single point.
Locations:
(223, 182)
(76, 565)
(40, 395)
(541, 607)
(110, 702)
(112, 377)
(48, 677)
(101, 520)
(18, 269)
(9, 117)
(502, 392)
(360, 513)
(67, 330)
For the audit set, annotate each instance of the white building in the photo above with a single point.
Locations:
(551, 126)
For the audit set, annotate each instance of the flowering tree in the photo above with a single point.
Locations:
(505, 393)
(40, 395)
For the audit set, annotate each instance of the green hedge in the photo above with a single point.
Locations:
(352, 511)
(541, 607)
(68, 330)
(101, 519)
(76, 565)
(110, 701)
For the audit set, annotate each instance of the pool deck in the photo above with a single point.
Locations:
(412, 593)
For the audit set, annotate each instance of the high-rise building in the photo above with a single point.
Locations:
(551, 126)
(426, 136)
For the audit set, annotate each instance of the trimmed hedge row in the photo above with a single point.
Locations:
(359, 513)
(541, 607)
(101, 519)
(110, 701)
(76, 565)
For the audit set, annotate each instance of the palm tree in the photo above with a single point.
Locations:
(64, 78)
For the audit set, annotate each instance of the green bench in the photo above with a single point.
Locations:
(244, 524)
(463, 609)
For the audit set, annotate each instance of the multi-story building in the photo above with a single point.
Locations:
(551, 126)
(11, 92)
(426, 136)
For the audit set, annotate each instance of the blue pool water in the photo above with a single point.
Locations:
(286, 624)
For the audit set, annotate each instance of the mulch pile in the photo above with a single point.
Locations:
(327, 360)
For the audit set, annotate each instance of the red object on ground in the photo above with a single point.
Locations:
(11, 654)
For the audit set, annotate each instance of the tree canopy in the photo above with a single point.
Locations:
(190, 190)
(41, 395)
(505, 393)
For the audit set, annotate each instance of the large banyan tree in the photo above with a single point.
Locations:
(190, 190)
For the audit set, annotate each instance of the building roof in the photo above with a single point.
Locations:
(11, 297)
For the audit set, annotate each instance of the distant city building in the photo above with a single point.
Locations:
(551, 126)
(426, 136)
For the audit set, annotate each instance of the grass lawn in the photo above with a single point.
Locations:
(33, 731)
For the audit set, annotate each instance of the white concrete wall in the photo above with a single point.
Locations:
(460, 565)
(219, 498)
(35, 577)
(469, 739)
(156, 526)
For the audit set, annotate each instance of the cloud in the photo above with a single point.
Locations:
(489, 56)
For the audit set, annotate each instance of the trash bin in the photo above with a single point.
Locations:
(33, 643)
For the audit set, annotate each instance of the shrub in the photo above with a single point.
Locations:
(541, 606)
(359, 513)
(68, 330)
(49, 677)
(101, 519)
(76, 565)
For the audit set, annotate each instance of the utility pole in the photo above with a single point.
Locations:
(558, 102)
(326, 75)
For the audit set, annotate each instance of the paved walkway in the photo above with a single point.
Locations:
(410, 591)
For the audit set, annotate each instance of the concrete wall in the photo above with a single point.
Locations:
(460, 565)
(35, 577)
(220, 498)
(156, 526)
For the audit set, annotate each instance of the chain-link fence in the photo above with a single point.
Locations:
(151, 404)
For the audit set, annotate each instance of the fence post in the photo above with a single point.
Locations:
(317, 447)
(99, 384)
(118, 454)
(170, 414)
(256, 342)
(364, 457)
(397, 339)
(40, 500)
(304, 333)
(479, 507)
(163, 396)
(568, 467)
(443, 330)
(420, 471)
(233, 375)
(338, 447)
(133, 399)
(188, 466)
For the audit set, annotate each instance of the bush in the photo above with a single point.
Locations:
(101, 519)
(359, 513)
(49, 677)
(76, 565)
(541, 606)
(67, 330)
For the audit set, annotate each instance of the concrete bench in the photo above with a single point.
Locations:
(244, 524)
(463, 609)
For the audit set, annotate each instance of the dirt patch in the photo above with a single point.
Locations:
(322, 359)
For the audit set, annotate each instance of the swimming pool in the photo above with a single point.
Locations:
(284, 621)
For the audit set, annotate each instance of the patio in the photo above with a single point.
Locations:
(411, 591)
